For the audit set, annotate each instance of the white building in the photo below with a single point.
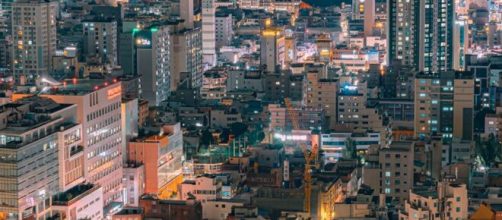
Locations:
(219, 209)
(83, 201)
(134, 182)
(29, 171)
(334, 144)
(153, 50)
(206, 188)
(99, 111)
(209, 32)
(447, 200)
(224, 29)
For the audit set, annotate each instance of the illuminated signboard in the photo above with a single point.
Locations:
(143, 42)
(293, 137)
(114, 92)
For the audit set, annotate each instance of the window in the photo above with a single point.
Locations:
(387, 173)
(387, 190)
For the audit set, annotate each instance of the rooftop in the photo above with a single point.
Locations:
(72, 194)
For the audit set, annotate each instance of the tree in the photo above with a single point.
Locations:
(206, 138)
(238, 128)
(489, 150)
(350, 151)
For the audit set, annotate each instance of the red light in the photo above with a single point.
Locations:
(114, 80)
(74, 80)
(96, 87)
(106, 83)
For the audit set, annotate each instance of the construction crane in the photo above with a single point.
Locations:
(309, 155)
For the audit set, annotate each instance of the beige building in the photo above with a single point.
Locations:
(353, 111)
(447, 200)
(34, 34)
(444, 105)
(321, 93)
(390, 170)
(100, 40)
(272, 49)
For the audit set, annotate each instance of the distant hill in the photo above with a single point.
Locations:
(324, 3)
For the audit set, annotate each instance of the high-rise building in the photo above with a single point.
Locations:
(400, 35)
(186, 55)
(99, 112)
(100, 39)
(126, 49)
(444, 105)
(209, 32)
(34, 37)
(420, 33)
(433, 29)
(153, 57)
(369, 17)
(186, 13)
(460, 43)
(272, 51)
(321, 93)
(29, 160)
(224, 28)
(5, 17)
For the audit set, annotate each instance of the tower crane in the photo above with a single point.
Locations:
(309, 155)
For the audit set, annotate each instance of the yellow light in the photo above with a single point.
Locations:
(270, 33)
(268, 22)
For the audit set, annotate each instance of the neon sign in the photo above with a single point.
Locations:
(114, 92)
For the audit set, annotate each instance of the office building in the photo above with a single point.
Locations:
(34, 34)
(420, 33)
(161, 156)
(153, 60)
(434, 28)
(187, 61)
(29, 161)
(100, 40)
(272, 51)
(400, 40)
(98, 111)
(444, 105)
(5, 17)
(126, 50)
(209, 32)
(321, 93)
